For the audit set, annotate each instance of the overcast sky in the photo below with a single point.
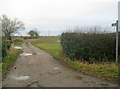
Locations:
(54, 16)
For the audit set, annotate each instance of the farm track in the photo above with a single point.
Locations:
(42, 70)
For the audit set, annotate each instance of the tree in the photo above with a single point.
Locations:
(9, 26)
(33, 33)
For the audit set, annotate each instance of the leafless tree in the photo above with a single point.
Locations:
(9, 26)
(89, 30)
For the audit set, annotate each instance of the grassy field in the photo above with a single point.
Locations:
(50, 45)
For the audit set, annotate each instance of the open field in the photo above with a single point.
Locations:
(50, 45)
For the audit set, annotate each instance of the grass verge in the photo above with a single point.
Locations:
(0, 68)
(18, 43)
(10, 59)
(107, 70)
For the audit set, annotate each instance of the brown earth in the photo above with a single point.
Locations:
(42, 70)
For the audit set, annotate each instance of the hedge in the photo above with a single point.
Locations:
(90, 47)
(5, 45)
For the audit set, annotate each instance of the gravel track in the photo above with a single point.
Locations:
(42, 70)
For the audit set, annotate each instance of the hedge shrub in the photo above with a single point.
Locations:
(0, 51)
(17, 40)
(89, 47)
(5, 45)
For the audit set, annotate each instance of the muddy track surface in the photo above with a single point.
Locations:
(39, 69)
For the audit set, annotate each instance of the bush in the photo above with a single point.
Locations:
(5, 45)
(4, 53)
(8, 44)
(89, 47)
(17, 40)
(0, 51)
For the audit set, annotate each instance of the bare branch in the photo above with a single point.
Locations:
(10, 26)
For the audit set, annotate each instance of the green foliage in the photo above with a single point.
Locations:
(108, 70)
(0, 49)
(5, 45)
(9, 59)
(17, 40)
(8, 44)
(18, 43)
(89, 47)
(33, 33)
(4, 53)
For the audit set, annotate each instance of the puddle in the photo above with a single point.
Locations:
(58, 41)
(39, 53)
(22, 78)
(56, 68)
(26, 54)
(17, 47)
(78, 77)
(104, 84)
(34, 53)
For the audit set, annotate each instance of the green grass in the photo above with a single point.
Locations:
(49, 44)
(108, 70)
(46, 40)
(10, 59)
(1, 68)
(11, 56)
(18, 43)
(53, 48)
